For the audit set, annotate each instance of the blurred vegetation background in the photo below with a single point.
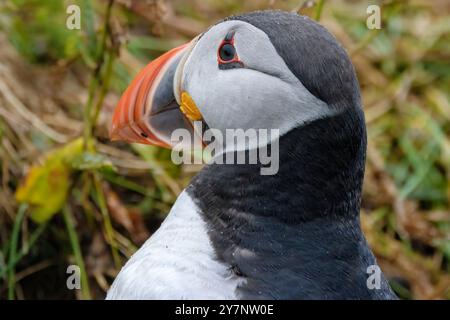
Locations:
(70, 196)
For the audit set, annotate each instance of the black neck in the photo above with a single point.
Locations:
(300, 225)
(320, 175)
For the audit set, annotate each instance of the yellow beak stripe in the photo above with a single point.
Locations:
(189, 108)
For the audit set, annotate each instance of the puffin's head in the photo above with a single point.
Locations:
(262, 70)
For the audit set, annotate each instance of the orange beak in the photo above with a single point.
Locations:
(148, 112)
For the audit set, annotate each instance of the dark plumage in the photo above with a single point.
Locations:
(297, 234)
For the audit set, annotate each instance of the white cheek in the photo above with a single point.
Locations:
(239, 98)
(244, 98)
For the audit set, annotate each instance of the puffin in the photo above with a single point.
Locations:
(234, 233)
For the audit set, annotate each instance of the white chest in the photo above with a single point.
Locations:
(177, 262)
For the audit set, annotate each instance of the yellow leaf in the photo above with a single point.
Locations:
(46, 186)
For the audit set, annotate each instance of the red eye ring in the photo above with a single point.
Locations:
(227, 52)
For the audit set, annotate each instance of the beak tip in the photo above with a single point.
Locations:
(116, 133)
(113, 134)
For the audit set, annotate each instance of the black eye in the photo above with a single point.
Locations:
(227, 52)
